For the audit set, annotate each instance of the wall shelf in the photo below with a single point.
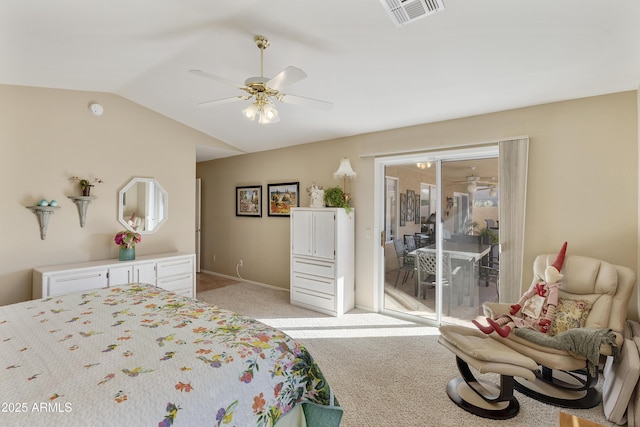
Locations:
(82, 202)
(43, 213)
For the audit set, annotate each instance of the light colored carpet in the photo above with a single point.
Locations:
(384, 371)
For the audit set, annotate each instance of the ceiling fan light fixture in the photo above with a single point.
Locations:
(268, 114)
(251, 111)
(471, 188)
(263, 109)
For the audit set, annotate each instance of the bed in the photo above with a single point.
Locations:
(139, 355)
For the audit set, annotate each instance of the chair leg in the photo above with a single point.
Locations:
(395, 285)
(406, 276)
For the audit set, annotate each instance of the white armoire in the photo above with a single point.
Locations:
(322, 259)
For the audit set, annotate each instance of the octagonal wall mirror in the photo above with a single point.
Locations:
(143, 205)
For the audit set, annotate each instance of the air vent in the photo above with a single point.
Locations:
(402, 12)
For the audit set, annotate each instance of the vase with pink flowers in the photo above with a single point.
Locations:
(127, 241)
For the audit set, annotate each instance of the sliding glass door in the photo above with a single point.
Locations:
(435, 257)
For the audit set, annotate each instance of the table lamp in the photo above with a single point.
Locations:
(344, 171)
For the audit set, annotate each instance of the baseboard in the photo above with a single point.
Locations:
(213, 273)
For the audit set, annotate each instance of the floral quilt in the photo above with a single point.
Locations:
(139, 355)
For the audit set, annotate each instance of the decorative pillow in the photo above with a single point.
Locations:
(569, 314)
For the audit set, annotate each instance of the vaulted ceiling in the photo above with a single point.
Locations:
(474, 57)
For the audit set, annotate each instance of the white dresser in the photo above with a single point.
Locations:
(322, 259)
(174, 272)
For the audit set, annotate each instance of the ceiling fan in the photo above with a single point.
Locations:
(264, 90)
(475, 183)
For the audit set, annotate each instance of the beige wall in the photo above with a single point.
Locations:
(583, 187)
(262, 243)
(48, 135)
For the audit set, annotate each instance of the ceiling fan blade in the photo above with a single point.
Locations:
(223, 101)
(286, 77)
(218, 79)
(303, 100)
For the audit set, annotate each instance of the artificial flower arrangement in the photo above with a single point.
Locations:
(86, 184)
(127, 239)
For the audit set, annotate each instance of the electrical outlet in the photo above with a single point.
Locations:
(240, 263)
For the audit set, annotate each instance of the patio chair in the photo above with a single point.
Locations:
(406, 262)
(491, 224)
(489, 270)
(427, 271)
(410, 242)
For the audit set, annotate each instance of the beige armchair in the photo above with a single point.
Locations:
(593, 294)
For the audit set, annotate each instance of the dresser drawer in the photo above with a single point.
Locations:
(174, 267)
(177, 283)
(314, 267)
(313, 300)
(76, 281)
(184, 292)
(313, 283)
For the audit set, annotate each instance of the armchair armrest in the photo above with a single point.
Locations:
(493, 309)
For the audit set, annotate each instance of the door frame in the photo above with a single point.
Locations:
(198, 220)
(396, 220)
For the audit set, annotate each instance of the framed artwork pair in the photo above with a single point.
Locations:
(280, 199)
(409, 207)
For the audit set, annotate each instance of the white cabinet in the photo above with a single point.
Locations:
(313, 233)
(143, 273)
(136, 273)
(172, 271)
(119, 275)
(322, 259)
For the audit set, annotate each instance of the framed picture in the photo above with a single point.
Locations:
(249, 200)
(411, 209)
(283, 197)
(403, 209)
(417, 209)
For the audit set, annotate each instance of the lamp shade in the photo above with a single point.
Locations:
(263, 109)
(251, 111)
(344, 170)
(268, 114)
